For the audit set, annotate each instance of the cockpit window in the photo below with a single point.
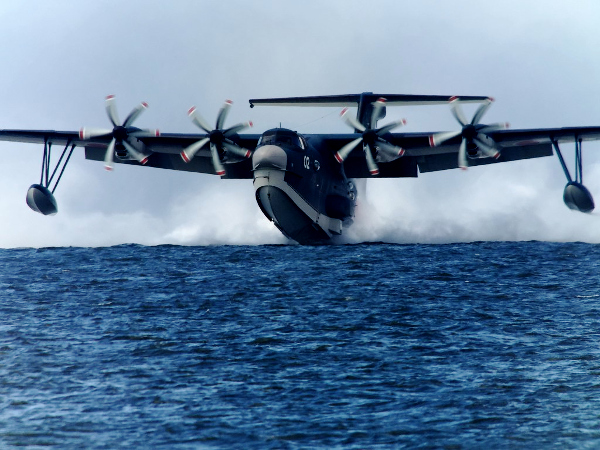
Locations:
(281, 136)
(302, 143)
(266, 139)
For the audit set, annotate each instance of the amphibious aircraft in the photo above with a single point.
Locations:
(304, 183)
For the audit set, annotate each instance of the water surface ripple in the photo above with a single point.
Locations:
(363, 346)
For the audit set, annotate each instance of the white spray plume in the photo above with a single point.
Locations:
(493, 205)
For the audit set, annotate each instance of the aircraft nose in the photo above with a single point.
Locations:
(270, 156)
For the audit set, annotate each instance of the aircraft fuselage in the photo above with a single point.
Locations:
(302, 190)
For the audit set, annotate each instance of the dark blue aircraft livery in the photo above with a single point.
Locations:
(305, 184)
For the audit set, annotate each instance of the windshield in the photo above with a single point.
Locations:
(281, 136)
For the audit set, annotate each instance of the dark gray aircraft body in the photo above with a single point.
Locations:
(305, 183)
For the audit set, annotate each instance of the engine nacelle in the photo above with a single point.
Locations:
(41, 200)
(577, 197)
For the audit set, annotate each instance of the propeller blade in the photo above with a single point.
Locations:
(389, 149)
(486, 149)
(134, 114)
(463, 163)
(111, 110)
(371, 164)
(88, 133)
(239, 127)
(189, 152)
(377, 107)
(389, 127)
(457, 111)
(481, 111)
(494, 127)
(343, 152)
(198, 120)
(236, 149)
(143, 133)
(223, 114)
(138, 156)
(440, 138)
(110, 154)
(350, 120)
(219, 169)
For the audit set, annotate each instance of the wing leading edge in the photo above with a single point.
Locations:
(165, 149)
(421, 157)
(515, 145)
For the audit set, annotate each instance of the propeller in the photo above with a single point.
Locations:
(120, 132)
(472, 132)
(371, 138)
(218, 138)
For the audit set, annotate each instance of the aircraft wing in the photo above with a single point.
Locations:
(165, 149)
(421, 157)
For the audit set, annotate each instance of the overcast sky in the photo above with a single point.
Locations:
(538, 59)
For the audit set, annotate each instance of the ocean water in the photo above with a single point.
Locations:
(476, 345)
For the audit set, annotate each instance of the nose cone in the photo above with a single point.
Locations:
(269, 156)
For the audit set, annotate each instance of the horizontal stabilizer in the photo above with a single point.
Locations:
(350, 100)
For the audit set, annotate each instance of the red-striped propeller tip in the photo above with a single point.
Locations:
(248, 154)
(491, 99)
(109, 168)
(221, 173)
(250, 124)
(507, 125)
(453, 98)
(463, 168)
(344, 111)
(185, 157)
(229, 102)
(381, 100)
(81, 133)
(191, 110)
(110, 97)
(338, 157)
(431, 141)
(144, 161)
(401, 152)
(145, 105)
(157, 133)
(403, 121)
(374, 172)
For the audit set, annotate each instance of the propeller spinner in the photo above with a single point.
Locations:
(371, 138)
(120, 132)
(218, 138)
(471, 132)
